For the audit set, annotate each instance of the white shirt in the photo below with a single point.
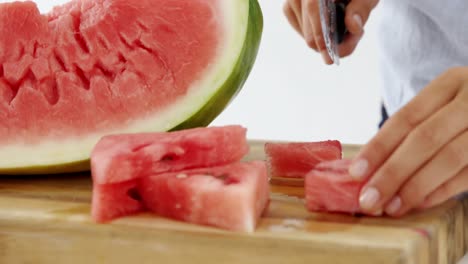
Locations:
(419, 40)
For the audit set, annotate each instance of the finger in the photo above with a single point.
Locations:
(296, 6)
(312, 14)
(448, 163)
(419, 148)
(395, 131)
(437, 94)
(307, 27)
(357, 14)
(292, 17)
(349, 44)
(448, 190)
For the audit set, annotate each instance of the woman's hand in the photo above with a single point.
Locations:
(419, 159)
(304, 16)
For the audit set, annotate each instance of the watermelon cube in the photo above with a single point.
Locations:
(330, 188)
(121, 158)
(111, 201)
(231, 197)
(296, 159)
(193, 175)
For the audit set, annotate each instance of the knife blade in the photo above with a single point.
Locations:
(332, 19)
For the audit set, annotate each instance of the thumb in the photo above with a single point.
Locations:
(357, 14)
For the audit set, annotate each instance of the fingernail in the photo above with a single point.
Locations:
(369, 198)
(357, 18)
(394, 206)
(324, 56)
(358, 169)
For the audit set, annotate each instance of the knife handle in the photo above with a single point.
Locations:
(340, 7)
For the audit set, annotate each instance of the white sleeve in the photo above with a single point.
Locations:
(419, 40)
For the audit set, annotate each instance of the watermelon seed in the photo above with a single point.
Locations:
(134, 194)
(182, 176)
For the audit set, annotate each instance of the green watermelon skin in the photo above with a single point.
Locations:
(203, 117)
(238, 77)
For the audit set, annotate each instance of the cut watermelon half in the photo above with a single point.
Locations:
(121, 158)
(231, 197)
(330, 188)
(296, 159)
(91, 68)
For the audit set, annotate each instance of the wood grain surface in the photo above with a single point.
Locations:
(45, 219)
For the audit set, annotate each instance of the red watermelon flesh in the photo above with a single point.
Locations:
(82, 62)
(231, 197)
(295, 160)
(111, 201)
(330, 188)
(120, 158)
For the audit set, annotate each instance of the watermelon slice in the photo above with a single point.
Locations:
(296, 159)
(231, 197)
(330, 188)
(91, 68)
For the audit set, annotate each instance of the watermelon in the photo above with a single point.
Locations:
(110, 201)
(90, 68)
(330, 188)
(296, 159)
(124, 157)
(231, 197)
(125, 167)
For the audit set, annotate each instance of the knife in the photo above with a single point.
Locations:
(332, 19)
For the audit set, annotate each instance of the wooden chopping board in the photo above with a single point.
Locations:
(46, 220)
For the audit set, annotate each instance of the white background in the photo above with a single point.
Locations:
(291, 94)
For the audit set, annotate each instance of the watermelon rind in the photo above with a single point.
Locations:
(239, 74)
(244, 22)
